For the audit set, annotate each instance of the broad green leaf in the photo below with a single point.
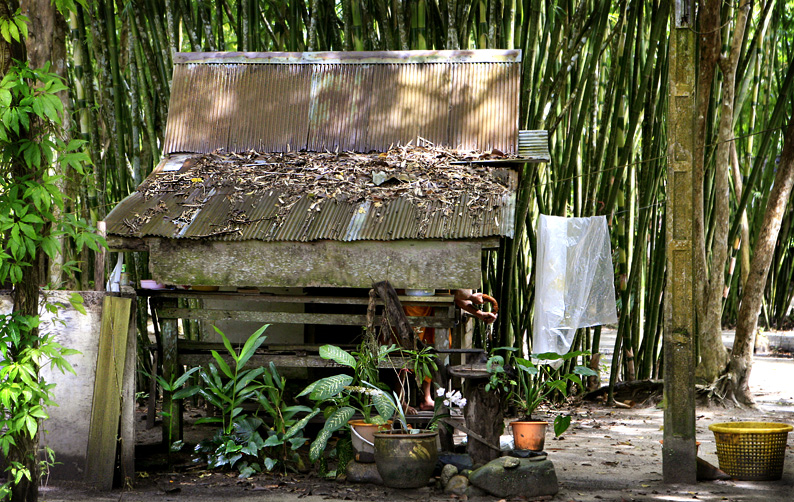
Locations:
(309, 388)
(547, 356)
(277, 380)
(209, 420)
(584, 371)
(561, 424)
(338, 355)
(13, 31)
(32, 425)
(300, 424)
(184, 393)
(245, 378)
(270, 463)
(22, 23)
(330, 386)
(273, 441)
(297, 442)
(38, 412)
(32, 155)
(318, 445)
(384, 405)
(339, 418)
(5, 98)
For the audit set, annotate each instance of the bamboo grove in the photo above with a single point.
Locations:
(594, 75)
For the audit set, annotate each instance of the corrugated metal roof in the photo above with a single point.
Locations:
(225, 212)
(343, 101)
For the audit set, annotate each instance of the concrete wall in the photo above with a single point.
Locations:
(67, 429)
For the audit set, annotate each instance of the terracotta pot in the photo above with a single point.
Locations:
(363, 437)
(406, 460)
(529, 435)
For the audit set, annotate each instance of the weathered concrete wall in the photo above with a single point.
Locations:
(406, 264)
(66, 431)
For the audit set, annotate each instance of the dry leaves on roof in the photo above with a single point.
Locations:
(420, 174)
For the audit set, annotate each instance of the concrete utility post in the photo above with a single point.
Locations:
(679, 464)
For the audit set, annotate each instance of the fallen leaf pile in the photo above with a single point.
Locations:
(423, 175)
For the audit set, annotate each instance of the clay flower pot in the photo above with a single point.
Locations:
(406, 460)
(529, 435)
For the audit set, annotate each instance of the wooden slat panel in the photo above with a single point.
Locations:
(290, 318)
(106, 408)
(283, 361)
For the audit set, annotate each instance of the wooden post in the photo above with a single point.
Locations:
(172, 411)
(393, 310)
(99, 260)
(678, 452)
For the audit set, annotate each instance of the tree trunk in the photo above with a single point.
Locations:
(709, 41)
(741, 361)
(713, 356)
(47, 43)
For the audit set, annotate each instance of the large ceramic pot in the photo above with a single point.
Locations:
(363, 438)
(406, 460)
(529, 435)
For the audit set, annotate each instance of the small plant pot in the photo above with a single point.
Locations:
(529, 435)
(406, 460)
(363, 437)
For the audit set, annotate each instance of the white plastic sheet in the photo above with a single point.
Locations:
(574, 283)
(115, 276)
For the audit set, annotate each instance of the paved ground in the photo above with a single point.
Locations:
(607, 455)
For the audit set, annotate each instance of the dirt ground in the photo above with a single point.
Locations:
(608, 454)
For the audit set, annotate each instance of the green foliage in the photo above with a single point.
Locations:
(342, 395)
(14, 29)
(535, 383)
(230, 387)
(238, 443)
(30, 112)
(177, 387)
(30, 198)
(24, 395)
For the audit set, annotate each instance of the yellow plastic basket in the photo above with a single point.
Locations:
(751, 451)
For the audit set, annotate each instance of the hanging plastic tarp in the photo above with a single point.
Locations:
(574, 283)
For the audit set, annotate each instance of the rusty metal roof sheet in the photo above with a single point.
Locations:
(347, 101)
(230, 209)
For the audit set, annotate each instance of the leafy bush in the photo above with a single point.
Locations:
(238, 443)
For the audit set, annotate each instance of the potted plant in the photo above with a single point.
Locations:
(404, 457)
(532, 384)
(343, 395)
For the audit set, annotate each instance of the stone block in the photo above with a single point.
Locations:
(360, 472)
(530, 478)
(457, 485)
